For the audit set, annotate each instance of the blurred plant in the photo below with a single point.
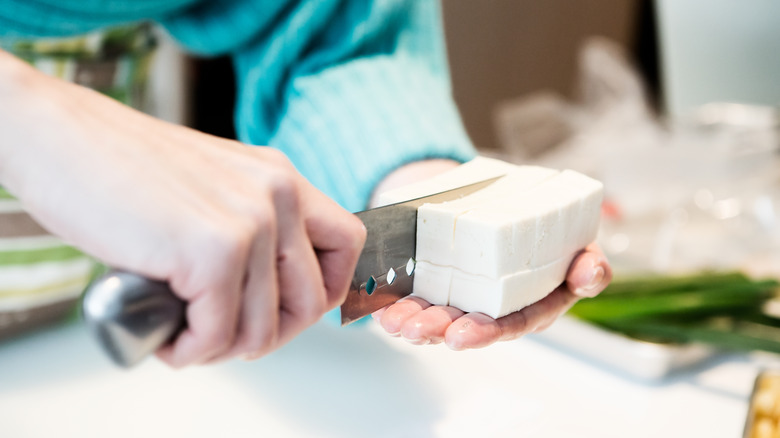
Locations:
(726, 310)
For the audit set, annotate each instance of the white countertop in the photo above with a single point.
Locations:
(358, 382)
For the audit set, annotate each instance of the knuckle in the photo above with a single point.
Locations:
(275, 156)
(259, 342)
(211, 254)
(336, 296)
(357, 231)
(284, 256)
(352, 231)
(524, 324)
(230, 243)
(307, 315)
(261, 221)
(312, 309)
(283, 187)
(273, 159)
(216, 340)
(516, 325)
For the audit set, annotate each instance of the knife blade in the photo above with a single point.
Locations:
(385, 269)
(132, 316)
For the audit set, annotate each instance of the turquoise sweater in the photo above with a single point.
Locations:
(348, 89)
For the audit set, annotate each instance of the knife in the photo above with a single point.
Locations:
(132, 316)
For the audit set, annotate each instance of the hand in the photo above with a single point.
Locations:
(254, 249)
(421, 323)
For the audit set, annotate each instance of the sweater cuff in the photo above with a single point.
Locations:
(350, 126)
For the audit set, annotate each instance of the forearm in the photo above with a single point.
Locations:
(12, 71)
(27, 119)
(14, 87)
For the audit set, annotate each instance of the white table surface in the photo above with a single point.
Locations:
(358, 382)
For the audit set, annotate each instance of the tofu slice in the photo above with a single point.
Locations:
(510, 293)
(438, 228)
(505, 246)
(493, 297)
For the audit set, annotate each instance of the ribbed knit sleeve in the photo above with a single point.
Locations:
(349, 90)
(57, 18)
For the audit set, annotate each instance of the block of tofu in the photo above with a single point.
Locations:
(502, 296)
(507, 245)
(493, 297)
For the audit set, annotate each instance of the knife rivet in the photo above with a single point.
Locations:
(391, 276)
(410, 267)
(370, 285)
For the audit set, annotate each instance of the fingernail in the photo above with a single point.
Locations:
(418, 341)
(592, 288)
(454, 346)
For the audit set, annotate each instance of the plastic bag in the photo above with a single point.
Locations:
(697, 192)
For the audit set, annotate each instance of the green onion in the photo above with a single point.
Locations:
(720, 309)
(722, 332)
(713, 299)
(655, 284)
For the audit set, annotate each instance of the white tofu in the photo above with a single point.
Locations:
(493, 297)
(432, 282)
(526, 230)
(437, 224)
(506, 246)
(510, 293)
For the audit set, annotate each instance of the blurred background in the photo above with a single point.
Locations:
(673, 104)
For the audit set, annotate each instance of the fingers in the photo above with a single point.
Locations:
(476, 330)
(258, 327)
(589, 273)
(473, 330)
(213, 294)
(204, 337)
(393, 317)
(430, 325)
(306, 271)
(338, 238)
(284, 292)
(278, 287)
(420, 323)
(417, 321)
(303, 298)
(538, 316)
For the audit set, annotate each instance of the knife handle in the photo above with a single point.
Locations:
(131, 316)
